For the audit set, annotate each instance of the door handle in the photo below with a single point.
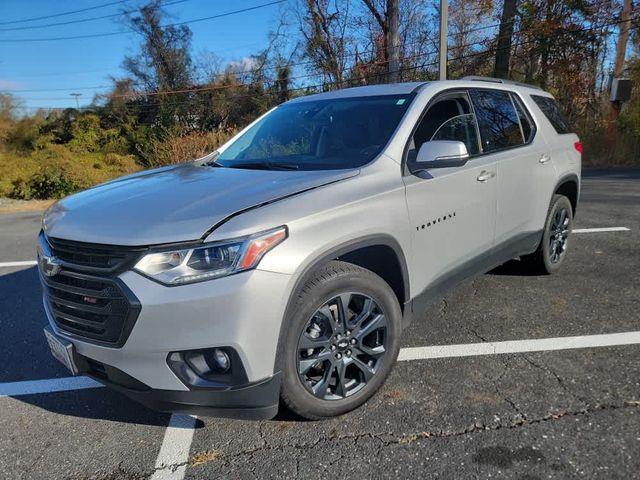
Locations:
(544, 159)
(484, 176)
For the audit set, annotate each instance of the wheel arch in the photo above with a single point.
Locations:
(569, 186)
(382, 254)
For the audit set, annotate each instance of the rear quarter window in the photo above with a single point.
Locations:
(554, 114)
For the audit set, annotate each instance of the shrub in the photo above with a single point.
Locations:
(177, 149)
(51, 183)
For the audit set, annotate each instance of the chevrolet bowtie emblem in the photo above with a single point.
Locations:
(49, 266)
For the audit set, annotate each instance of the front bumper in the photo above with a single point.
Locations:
(253, 401)
(243, 312)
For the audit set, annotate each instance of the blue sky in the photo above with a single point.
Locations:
(70, 65)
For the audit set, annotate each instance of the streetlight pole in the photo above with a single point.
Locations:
(444, 14)
(76, 95)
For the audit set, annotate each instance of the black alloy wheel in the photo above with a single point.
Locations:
(342, 346)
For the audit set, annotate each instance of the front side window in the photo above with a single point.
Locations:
(461, 128)
(497, 119)
(318, 134)
(448, 119)
(554, 114)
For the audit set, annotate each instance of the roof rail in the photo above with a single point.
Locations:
(476, 78)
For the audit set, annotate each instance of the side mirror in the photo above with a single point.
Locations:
(440, 154)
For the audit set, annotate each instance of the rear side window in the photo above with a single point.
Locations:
(497, 119)
(552, 111)
(525, 120)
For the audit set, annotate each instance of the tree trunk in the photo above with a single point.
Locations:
(393, 41)
(505, 36)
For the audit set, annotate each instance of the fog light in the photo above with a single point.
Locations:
(222, 359)
(208, 367)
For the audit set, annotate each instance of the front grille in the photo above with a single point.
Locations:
(93, 257)
(84, 297)
(95, 308)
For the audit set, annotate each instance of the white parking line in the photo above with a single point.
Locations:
(171, 463)
(31, 387)
(519, 346)
(599, 230)
(25, 263)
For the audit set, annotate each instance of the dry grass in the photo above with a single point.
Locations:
(184, 148)
(201, 458)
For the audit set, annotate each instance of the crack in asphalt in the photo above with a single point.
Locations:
(549, 371)
(445, 306)
(386, 439)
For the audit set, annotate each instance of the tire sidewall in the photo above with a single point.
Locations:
(559, 201)
(315, 293)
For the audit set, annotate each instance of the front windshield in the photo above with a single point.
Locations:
(318, 135)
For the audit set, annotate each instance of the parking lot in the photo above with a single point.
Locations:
(523, 405)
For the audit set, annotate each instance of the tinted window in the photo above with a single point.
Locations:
(552, 111)
(448, 119)
(525, 120)
(461, 128)
(318, 135)
(497, 119)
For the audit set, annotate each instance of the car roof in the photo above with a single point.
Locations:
(365, 91)
(410, 87)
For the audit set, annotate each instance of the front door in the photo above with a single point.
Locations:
(452, 210)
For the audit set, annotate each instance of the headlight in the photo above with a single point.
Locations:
(188, 265)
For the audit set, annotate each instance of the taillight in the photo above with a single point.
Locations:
(578, 147)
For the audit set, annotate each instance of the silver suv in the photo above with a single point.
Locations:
(285, 265)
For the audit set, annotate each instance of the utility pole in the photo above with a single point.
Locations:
(76, 95)
(393, 40)
(444, 14)
(618, 71)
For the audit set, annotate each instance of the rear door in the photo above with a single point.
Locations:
(452, 210)
(521, 157)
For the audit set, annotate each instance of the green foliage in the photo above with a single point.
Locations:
(50, 183)
(25, 134)
(23, 175)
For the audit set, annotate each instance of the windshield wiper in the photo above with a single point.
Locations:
(266, 166)
(213, 163)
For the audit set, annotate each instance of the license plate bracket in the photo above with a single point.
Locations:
(62, 350)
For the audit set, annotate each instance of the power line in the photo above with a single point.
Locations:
(63, 13)
(107, 34)
(249, 71)
(374, 63)
(83, 20)
(150, 106)
(216, 88)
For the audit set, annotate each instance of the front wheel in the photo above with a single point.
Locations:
(552, 250)
(342, 341)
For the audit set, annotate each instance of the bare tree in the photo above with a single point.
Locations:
(324, 26)
(468, 40)
(387, 16)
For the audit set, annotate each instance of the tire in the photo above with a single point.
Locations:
(314, 390)
(551, 252)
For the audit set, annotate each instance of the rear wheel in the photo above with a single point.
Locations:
(342, 342)
(552, 250)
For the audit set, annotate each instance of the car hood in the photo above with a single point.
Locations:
(173, 204)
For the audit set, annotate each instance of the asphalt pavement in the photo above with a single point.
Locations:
(571, 413)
